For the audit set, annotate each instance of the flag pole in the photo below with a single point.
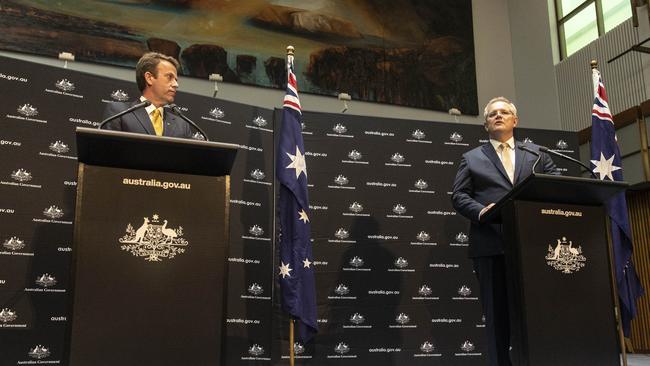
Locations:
(617, 306)
(290, 51)
(291, 350)
(612, 274)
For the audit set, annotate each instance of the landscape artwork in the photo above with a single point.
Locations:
(416, 53)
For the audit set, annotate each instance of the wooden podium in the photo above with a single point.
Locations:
(150, 247)
(560, 280)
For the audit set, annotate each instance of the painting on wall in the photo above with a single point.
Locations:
(416, 53)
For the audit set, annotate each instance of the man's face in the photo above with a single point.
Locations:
(163, 83)
(500, 121)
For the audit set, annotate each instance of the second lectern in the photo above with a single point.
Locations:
(150, 247)
(561, 291)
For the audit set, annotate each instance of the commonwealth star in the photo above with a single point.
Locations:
(605, 167)
(297, 162)
(303, 216)
(284, 270)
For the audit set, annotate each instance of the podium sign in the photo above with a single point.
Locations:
(562, 303)
(150, 245)
(146, 278)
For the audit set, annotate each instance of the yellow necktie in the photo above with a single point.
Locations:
(156, 120)
(507, 162)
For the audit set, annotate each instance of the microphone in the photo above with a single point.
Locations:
(566, 157)
(144, 104)
(527, 149)
(177, 111)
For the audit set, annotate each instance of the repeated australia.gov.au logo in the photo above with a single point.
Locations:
(423, 238)
(340, 131)
(259, 123)
(216, 113)
(256, 352)
(65, 85)
(418, 136)
(468, 348)
(21, 175)
(39, 352)
(257, 174)
(154, 241)
(7, 315)
(46, 280)
(342, 348)
(341, 180)
(256, 233)
(27, 110)
(53, 212)
(14, 243)
(59, 147)
(120, 95)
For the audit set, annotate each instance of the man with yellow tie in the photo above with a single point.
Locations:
(486, 174)
(157, 78)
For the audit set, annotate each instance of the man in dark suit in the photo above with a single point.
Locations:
(156, 75)
(485, 175)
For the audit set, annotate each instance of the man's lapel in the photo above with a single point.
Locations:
(170, 123)
(489, 151)
(519, 160)
(142, 117)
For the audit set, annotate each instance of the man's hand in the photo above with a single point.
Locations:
(484, 210)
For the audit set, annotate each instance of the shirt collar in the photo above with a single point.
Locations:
(150, 107)
(510, 142)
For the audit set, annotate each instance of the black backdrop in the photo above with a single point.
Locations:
(393, 282)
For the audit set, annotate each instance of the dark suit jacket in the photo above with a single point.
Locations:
(139, 122)
(481, 180)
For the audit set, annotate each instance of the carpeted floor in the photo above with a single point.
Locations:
(638, 360)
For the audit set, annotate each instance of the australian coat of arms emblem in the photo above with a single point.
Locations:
(565, 257)
(154, 241)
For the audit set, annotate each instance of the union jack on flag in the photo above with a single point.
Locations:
(296, 269)
(606, 158)
(291, 99)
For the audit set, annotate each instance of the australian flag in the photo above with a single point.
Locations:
(296, 270)
(606, 159)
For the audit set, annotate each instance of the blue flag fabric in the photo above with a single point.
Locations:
(296, 270)
(606, 158)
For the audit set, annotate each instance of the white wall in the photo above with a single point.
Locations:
(533, 43)
(500, 27)
(492, 46)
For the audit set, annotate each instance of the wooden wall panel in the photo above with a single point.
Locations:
(639, 210)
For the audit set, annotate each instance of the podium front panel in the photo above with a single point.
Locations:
(564, 293)
(149, 268)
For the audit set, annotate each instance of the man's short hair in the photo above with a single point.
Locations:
(513, 109)
(148, 63)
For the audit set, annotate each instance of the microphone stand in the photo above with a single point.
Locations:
(527, 149)
(144, 104)
(566, 157)
(177, 111)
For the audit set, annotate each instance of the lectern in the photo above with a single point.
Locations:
(150, 247)
(557, 252)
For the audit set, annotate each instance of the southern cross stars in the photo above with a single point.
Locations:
(297, 162)
(284, 268)
(605, 167)
(303, 216)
